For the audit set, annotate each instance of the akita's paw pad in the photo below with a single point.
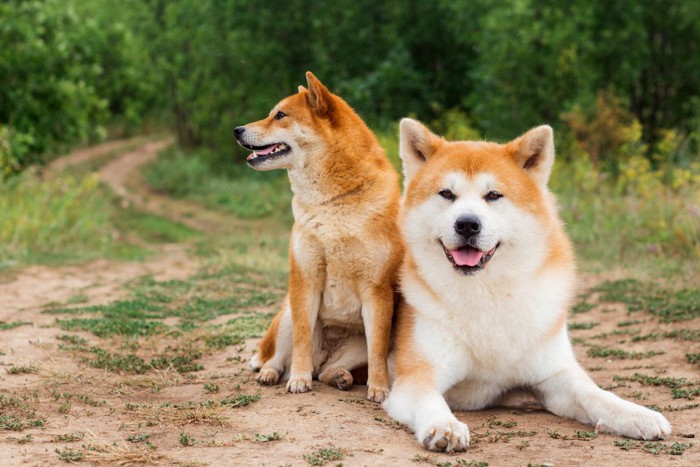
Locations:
(646, 424)
(377, 394)
(343, 380)
(297, 384)
(268, 377)
(447, 437)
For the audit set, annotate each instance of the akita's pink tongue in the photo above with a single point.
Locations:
(466, 256)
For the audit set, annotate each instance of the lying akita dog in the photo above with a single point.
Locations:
(345, 246)
(488, 278)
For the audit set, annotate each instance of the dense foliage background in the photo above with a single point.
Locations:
(607, 74)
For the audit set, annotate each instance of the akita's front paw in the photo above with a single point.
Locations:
(268, 377)
(642, 423)
(299, 383)
(451, 436)
(255, 363)
(377, 394)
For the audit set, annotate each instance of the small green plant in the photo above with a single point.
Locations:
(21, 370)
(5, 326)
(619, 354)
(322, 456)
(211, 388)
(577, 326)
(187, 440)
(240, 400)
(693, 358)
(586, 435)
(69, 455)
(68, 437)
(139, 438)
(582, 307)
(267, 438)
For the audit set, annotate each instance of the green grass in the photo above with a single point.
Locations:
(18, 413)
(656, 448)
(227, 185)
(62, 219)
(577, 326)
(154, 229)
(668, 305)
(619, 354)
(5, 326)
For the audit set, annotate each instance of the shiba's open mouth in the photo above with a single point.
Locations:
(261, 154)
(467, 259)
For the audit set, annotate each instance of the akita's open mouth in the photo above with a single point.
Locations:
(467, 259)
(261, 154)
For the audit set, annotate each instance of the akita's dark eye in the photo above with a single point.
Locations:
(448, 195)
(280, 115)
(493, 196)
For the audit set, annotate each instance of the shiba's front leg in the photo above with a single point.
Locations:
(377, 311)
(304, 300)
(420, 406)
(571, 393)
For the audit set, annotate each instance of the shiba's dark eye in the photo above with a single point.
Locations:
(280, 115)
(448, 195)
(493, 196)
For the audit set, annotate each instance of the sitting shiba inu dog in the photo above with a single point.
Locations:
(345, 246)
(488, 278)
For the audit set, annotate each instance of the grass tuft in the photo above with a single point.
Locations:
(322, 456)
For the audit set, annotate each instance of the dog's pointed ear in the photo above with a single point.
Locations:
(417, 145)
(534, 152)
(319, 96)
(301, 89)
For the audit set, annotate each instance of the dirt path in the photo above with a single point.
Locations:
(171, 418)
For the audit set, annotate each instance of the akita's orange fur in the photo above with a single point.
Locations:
(345, 247)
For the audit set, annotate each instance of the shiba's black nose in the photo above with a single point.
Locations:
(238, 131)
(468, 226)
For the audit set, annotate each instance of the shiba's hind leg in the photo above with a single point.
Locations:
(274, 355)
(349, 355)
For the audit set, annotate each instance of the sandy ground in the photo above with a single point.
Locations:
(304, 423)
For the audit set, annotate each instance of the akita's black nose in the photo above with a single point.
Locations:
(238, 131)
(468, 226)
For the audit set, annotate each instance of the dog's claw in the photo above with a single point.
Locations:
(268, 377)
(299, 384)
(452, 437)
(343, 380)
(377, 394)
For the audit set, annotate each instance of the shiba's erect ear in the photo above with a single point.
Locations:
(319, 96)
(301, 89)
(534, 152)
(417, 145)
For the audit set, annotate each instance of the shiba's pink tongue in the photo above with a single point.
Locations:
(266, 151)
(466, 256)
